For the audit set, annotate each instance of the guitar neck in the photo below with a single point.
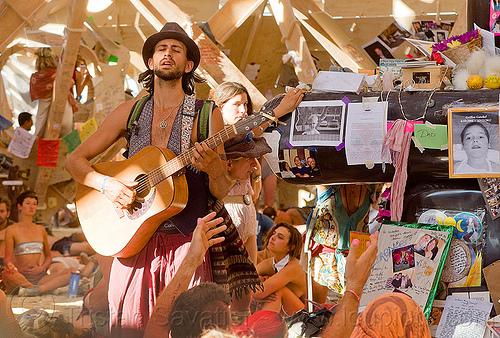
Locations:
(177, 163)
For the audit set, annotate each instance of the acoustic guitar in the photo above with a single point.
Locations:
(161, 193)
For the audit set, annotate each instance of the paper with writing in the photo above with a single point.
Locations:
(365, 133)
(21, 143)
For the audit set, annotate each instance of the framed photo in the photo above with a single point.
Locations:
(473, 142)
(318, 123)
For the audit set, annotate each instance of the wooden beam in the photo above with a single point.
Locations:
(332, 49)
(342, 40)
(293, 39)
(255, 25)
(5, 109)
(14, 16)
(62, 86)
(231, 16)
(214, 64)
(332, 30)
(460, 25)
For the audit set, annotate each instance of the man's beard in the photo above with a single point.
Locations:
(169, 75)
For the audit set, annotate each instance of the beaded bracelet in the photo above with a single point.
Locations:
(354, 293)
(102, 184)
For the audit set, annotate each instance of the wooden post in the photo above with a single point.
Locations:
(62, 86)
(214, 64)
(293, 39)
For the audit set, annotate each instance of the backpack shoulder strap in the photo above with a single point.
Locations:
(135, 112)
(204, 120)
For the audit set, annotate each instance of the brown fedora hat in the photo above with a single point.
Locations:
(171, 30)
(245, 145)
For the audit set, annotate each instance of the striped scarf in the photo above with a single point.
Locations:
(231, 266)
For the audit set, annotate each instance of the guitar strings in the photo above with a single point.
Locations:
(162, 171)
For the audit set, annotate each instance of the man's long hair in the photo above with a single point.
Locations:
(147, 79)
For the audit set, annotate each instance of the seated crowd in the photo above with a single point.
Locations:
(204, 311)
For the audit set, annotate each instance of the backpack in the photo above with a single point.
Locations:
(204, 121)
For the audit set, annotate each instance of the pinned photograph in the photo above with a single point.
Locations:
(403, 258)
(378, 50)
(394, 35)
(401, 280)
(428, 246)
(298, 163)
(318, 123)
(473, 142)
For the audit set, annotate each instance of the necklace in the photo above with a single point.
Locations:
(163, 123)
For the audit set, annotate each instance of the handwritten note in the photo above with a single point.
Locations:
(21, 143)
(365, 133)
(431, 138)
(463, 317)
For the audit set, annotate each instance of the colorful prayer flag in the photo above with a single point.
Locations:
(88, 129)
(48, 152)
(72, 140)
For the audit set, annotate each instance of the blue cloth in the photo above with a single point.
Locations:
(301, 171)
(264, 223)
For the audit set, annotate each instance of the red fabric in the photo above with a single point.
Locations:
(136, 282)
(41, 83)
(48, 153)
(262, 324)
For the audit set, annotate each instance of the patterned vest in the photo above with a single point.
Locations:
(179, 141)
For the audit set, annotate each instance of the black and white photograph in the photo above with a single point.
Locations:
(473, 142)
(378, 50)
(318, 123)
(440, 35)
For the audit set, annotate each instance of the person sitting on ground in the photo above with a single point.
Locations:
(282, 274)
(25, 121)
(25, 243)
(75, 244)
(264, 224)
(5, 221)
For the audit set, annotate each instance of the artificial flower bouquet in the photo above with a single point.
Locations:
(458, 48)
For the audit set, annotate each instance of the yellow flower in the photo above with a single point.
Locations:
(454, 43)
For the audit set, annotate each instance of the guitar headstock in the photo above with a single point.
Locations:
(250, 122)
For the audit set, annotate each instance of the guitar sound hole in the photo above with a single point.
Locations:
(143, 188)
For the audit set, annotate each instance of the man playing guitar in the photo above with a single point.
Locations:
(171, 57)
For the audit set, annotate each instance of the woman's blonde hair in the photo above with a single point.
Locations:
(45, 58)
(227, 90)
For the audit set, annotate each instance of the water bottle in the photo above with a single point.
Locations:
(66, 251)
(73, 284)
